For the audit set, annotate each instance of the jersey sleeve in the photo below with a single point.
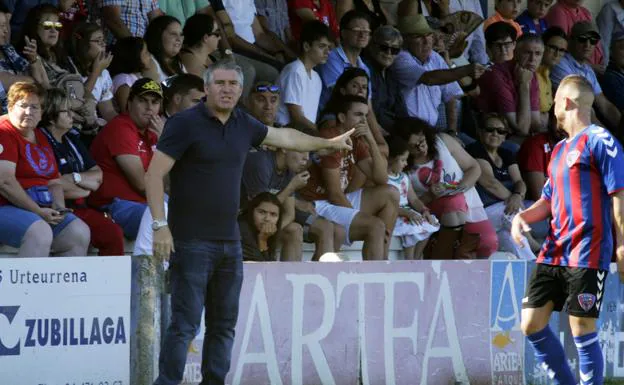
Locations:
(257, 129)
(547, 190)
(608, 159)
(176, 138)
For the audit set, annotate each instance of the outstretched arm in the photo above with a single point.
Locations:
(294, 140)
(618, 223)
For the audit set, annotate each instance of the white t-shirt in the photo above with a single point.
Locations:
(242, 14)
(299, 88)
(161, 74)
(124, 80)
(103, 89)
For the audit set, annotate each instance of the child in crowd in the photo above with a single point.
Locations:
(415, 223)
(507, 11)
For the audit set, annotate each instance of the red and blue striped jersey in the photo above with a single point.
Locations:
(583, 172)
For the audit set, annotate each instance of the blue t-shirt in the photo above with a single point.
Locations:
(206, 177)
(584, 172)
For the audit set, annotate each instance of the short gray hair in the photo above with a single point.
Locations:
(227, 65)
(387, 33)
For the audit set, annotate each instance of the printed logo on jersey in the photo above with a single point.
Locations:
(607, 139)
(41, 165)
(586, 300)
(572, 157)
(1, 149)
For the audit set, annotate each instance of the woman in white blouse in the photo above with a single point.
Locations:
(88, 53)
(164, 40)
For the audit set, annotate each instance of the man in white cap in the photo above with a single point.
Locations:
(423, 75)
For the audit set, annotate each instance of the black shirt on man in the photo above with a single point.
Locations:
(206, 178)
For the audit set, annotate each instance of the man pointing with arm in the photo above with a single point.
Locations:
(204, 150)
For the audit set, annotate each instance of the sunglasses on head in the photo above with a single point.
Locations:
(389, 49)
(499, 130)
(48, 25)
(585, 39)
(272, 88)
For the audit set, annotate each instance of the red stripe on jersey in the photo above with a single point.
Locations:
(560, 197)
(576, 204)
(595, 248)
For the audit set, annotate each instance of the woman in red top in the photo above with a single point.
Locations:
(33, 217)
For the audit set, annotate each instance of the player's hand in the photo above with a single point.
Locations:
(362, 130)
(620, 261)
(163, 243)
(513, 204)
(518, 227)
(341, 142)
(300, 180)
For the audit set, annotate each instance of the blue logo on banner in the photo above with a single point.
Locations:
(9, 312)
(508, 283)
(65, 331)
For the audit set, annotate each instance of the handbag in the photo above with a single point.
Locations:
(41, 195)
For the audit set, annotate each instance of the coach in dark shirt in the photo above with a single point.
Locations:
(204, 150)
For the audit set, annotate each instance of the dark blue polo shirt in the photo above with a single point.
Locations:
(206, 178)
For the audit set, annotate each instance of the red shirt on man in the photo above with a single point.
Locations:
(324, 12)
(35, 164)
(344, 160)
(499, 92)
(120, 137)
(534, 154)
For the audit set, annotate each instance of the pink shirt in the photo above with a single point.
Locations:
(502, 95)
(565, 16)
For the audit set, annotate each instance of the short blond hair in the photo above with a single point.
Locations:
(579, 89)
(22, 90)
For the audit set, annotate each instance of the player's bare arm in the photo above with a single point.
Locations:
(291, 139)
(539, 211)
(618, 223)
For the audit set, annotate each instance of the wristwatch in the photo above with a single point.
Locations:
(76, 177)
(159, 224)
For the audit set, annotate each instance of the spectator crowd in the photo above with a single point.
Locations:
(453, 128)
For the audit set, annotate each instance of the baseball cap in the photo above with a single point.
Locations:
(584, 28)
(145, 86)
(414, 25)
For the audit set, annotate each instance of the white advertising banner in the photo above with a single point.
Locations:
(65, 321)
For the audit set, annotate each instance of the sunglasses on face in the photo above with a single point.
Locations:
(499, 130)
(557, 49)
(389, 49)
(272, 88)
(585, 39)
(48, 25)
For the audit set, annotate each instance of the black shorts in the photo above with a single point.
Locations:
(579, 289)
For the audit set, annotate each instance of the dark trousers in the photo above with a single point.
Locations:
(203, 274)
